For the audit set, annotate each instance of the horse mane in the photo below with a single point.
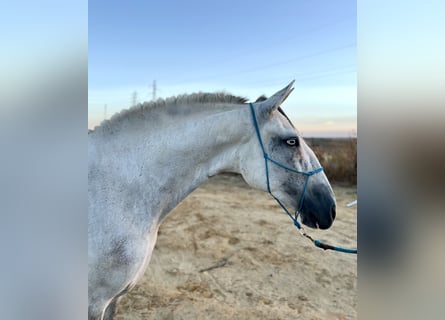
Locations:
(172, 102)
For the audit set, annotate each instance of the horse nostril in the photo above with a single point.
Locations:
(333, 212)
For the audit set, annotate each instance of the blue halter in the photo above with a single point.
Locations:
(308, 174)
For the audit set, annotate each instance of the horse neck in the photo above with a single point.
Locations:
(186, 153)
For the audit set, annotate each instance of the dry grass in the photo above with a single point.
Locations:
(338, 157)
(230, 252)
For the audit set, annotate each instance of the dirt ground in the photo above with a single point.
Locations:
(229, 252)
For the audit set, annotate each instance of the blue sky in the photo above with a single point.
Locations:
(247, 48)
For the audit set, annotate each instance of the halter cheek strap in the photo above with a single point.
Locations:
(308, 174)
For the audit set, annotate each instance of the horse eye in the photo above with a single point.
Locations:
(292, 142)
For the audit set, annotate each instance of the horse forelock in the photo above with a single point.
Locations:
(180, 101)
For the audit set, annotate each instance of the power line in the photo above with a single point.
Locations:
(258, 68)
(304, 76)
(154, 90)
(134, 98)
(278, 43)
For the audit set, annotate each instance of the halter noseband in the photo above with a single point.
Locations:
(308, 174)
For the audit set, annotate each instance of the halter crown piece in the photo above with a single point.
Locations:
(308, 174)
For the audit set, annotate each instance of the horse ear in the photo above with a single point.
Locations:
(269, 105)
(261, 98)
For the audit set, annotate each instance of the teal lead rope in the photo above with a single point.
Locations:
(308, 174)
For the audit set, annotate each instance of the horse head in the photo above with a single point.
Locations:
(275, 158)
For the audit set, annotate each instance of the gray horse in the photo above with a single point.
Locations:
(145, 160)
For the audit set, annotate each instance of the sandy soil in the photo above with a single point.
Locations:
(229, 252)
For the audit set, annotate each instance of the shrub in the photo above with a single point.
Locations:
(338, 157)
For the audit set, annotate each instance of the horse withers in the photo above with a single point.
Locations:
(145, 160)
